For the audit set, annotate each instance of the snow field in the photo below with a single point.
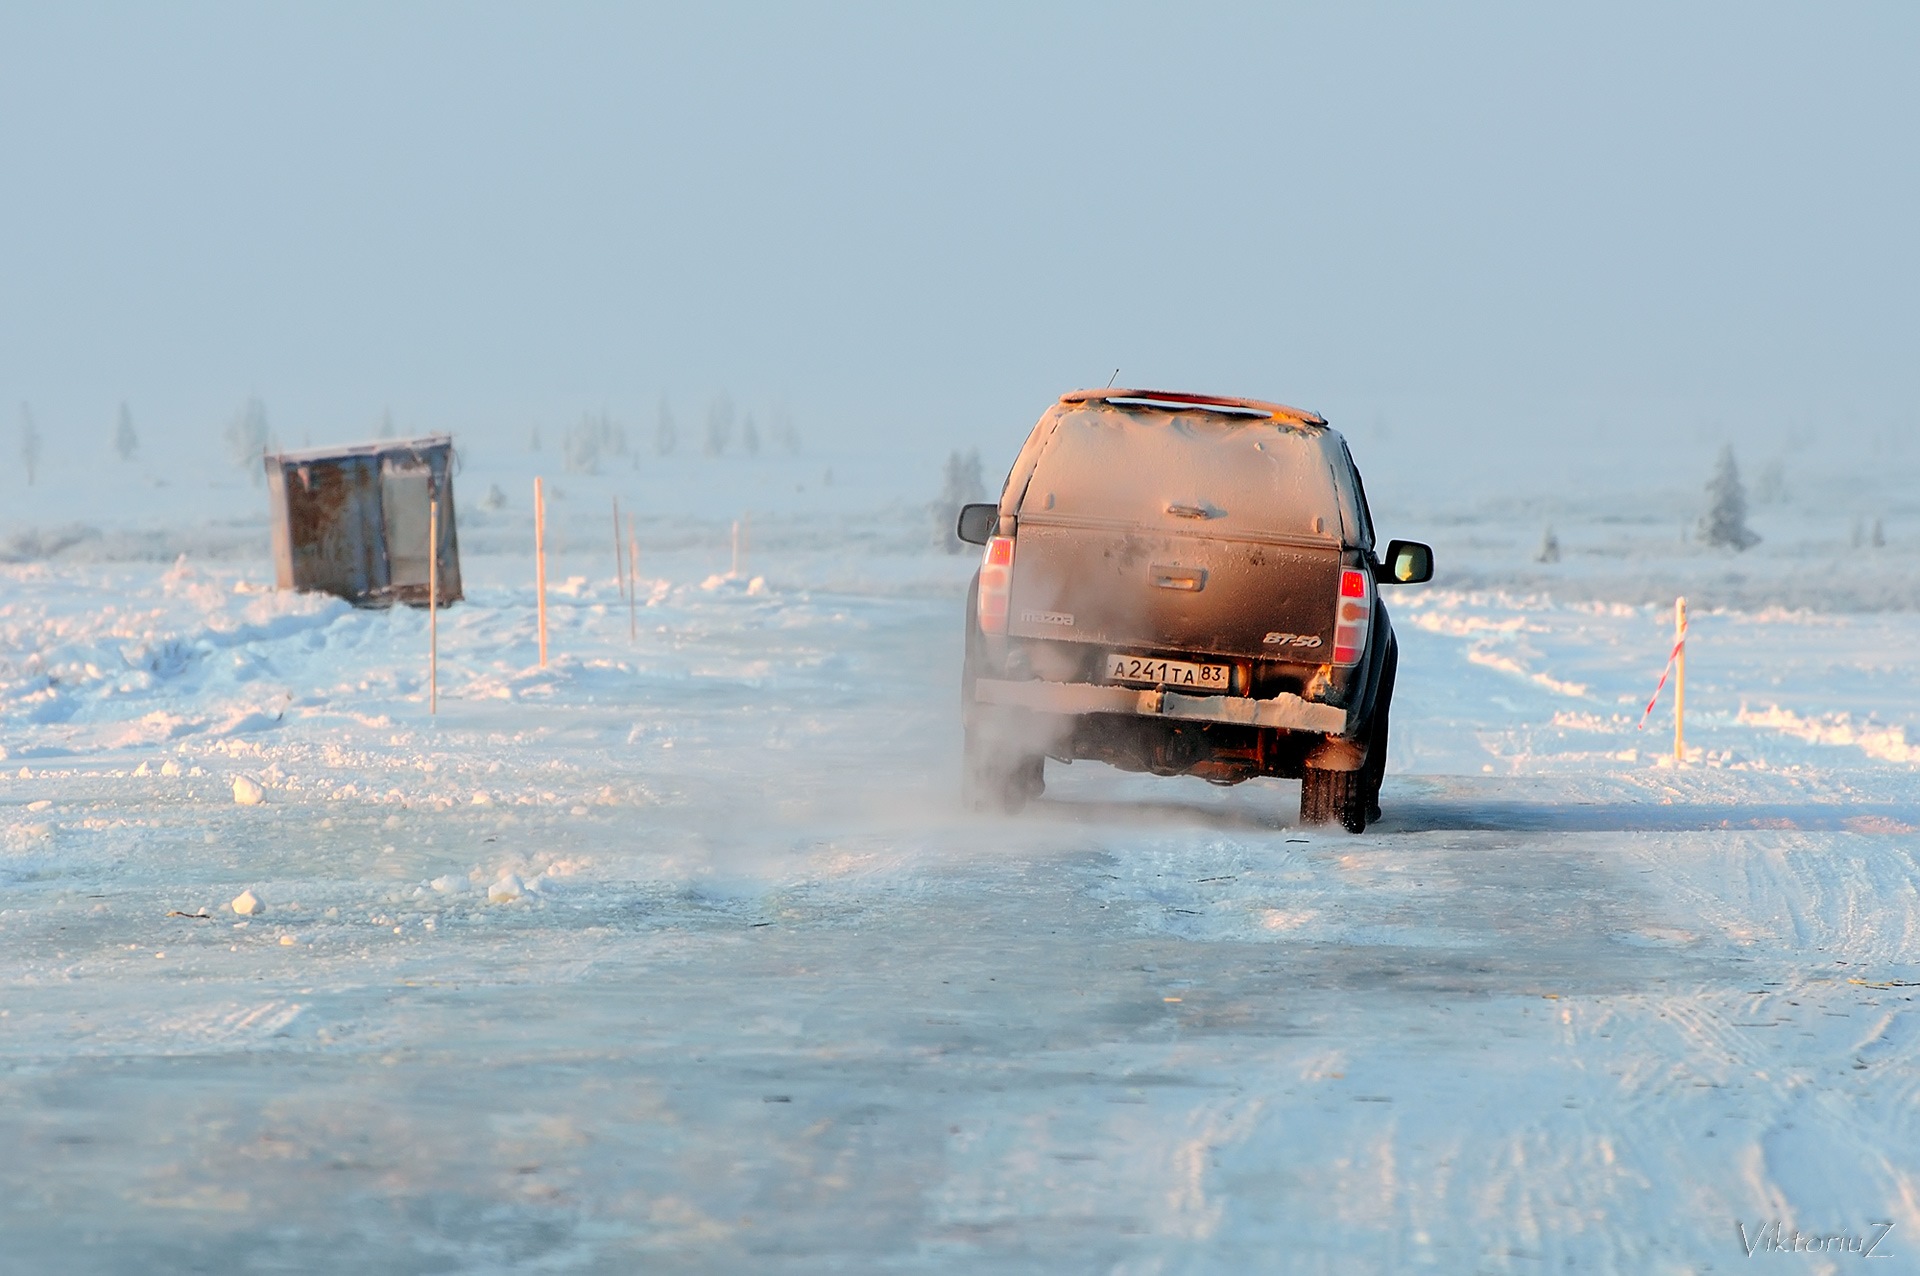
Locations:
(678, 954)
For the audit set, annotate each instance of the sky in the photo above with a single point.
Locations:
(914, 225)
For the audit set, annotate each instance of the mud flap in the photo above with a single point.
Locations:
(1003, 763)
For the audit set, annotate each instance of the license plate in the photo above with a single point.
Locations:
(1179, 674)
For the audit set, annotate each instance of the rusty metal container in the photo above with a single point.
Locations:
(352, 521)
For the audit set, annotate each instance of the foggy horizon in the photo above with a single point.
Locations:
(915, 229)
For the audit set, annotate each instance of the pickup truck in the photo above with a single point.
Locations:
(1186, 585)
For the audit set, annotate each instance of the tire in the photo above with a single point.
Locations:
(997, 782)
(1375, 771)
(1026, 781)
(1378, 736)
(1334, 797)
(992, 777)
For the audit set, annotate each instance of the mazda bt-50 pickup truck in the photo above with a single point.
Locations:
(1186, 585)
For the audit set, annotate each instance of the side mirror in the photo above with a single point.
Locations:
(1406, 563)
(977, 523)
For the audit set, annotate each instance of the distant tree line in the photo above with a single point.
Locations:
(125, 442)
(598, 438)
(593, 442)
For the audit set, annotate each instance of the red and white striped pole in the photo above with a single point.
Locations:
(1680, 681)
(1677, 670)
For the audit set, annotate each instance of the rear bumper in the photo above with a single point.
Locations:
(1286, 711)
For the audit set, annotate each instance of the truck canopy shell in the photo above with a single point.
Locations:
(1207, 472)
(1157, 521)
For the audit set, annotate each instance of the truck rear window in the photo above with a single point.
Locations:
(1222, 473)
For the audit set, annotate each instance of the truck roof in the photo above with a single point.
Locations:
(1191, 465)
(1175, 399)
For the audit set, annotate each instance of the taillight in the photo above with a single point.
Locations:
(996, 584)
(1354, 617)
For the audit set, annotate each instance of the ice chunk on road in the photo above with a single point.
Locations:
(247, 904)
(247, 791)
(507, 889)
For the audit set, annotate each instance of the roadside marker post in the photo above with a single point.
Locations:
(1680, 681)
(633, 583)
(433, 605)
(540, 563)
(1676, 669)
(619, 572)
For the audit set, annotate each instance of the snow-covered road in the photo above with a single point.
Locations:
(679, 955)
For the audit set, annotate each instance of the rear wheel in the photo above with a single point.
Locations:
(999, 781)
(1334, 797)
(995, 774)
(1376, 768)
(1375, 771)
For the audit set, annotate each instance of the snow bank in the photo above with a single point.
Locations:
(1886, 743)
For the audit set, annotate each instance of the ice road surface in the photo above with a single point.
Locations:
(678, 954)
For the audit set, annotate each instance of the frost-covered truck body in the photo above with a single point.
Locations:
(1185, 585)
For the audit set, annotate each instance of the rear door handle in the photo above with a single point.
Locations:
(1180, 509)
(1191, 579)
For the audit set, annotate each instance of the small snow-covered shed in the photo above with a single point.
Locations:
(353, 521)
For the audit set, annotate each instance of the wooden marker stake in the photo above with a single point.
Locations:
(619, 572)
(540, 563)
(633, 583)
(1680, 681)
(433, 604)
